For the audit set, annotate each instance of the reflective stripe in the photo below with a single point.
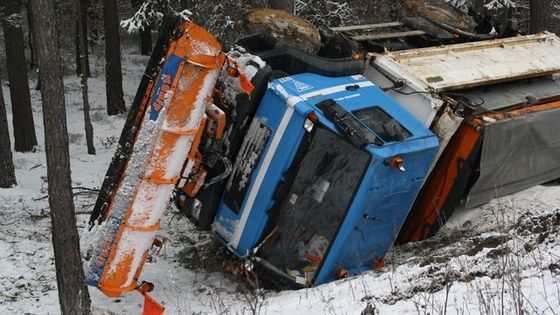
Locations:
(260, 176)
(291, 102)
(334, 89)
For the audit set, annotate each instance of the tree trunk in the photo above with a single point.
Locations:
(81, 15)
(24, 128)
(83, 63)
(93, 14)
(32, 55)
(113, 74)
(286, 5)
(72, 293)
(7, 174)
(540, 16)
(146, 40)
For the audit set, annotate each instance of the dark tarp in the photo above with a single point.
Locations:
(517, 153)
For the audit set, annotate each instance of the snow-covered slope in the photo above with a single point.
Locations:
(502, 258)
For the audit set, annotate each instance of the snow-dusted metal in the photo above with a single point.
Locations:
(426, 73)
(177, 101)
(475, 64)
(453, 179)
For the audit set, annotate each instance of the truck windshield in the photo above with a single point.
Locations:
(322, 191)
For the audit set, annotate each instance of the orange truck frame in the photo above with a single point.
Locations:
(453, 174)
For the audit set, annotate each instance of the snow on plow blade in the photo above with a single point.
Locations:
(170, 108)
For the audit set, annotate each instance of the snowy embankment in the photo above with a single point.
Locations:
(502, 258)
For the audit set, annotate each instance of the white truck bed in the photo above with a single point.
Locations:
(475, 64)
(429, 72)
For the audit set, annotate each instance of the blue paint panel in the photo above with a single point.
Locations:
(101, 252)
(278, 166)
(164, 83)
(226, 217)
(385, 194)
(379, 208)
(271, 110)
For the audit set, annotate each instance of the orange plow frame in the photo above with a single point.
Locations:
(170, 123)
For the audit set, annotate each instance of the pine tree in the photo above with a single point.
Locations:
(145, 32)
(286, 5)
(82, 56)
(541, 15)
(7, 174)
(82, 24)
(72, 292)
(146, 40)
(149, 13)
(24, 127)
(113, 71)
(32, 55)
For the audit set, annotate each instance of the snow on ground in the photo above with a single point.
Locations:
(502, 258)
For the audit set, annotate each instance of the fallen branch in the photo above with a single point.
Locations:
(84, 190)
(9, 296)
(34, 216)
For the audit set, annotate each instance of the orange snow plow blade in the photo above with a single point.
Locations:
(171, 112)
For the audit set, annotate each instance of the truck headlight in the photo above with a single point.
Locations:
(310, 121)
(248, 265)
(308, 125)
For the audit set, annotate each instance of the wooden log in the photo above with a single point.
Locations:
(287, 28)
(440, 12)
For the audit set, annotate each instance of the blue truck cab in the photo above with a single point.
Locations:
(324, 178)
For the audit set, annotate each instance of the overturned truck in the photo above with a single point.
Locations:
(495, 107)
(308, 167)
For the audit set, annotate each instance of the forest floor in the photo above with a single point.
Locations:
(502, 258)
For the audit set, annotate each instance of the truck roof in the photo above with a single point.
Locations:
(469, 65)
(304, 91)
